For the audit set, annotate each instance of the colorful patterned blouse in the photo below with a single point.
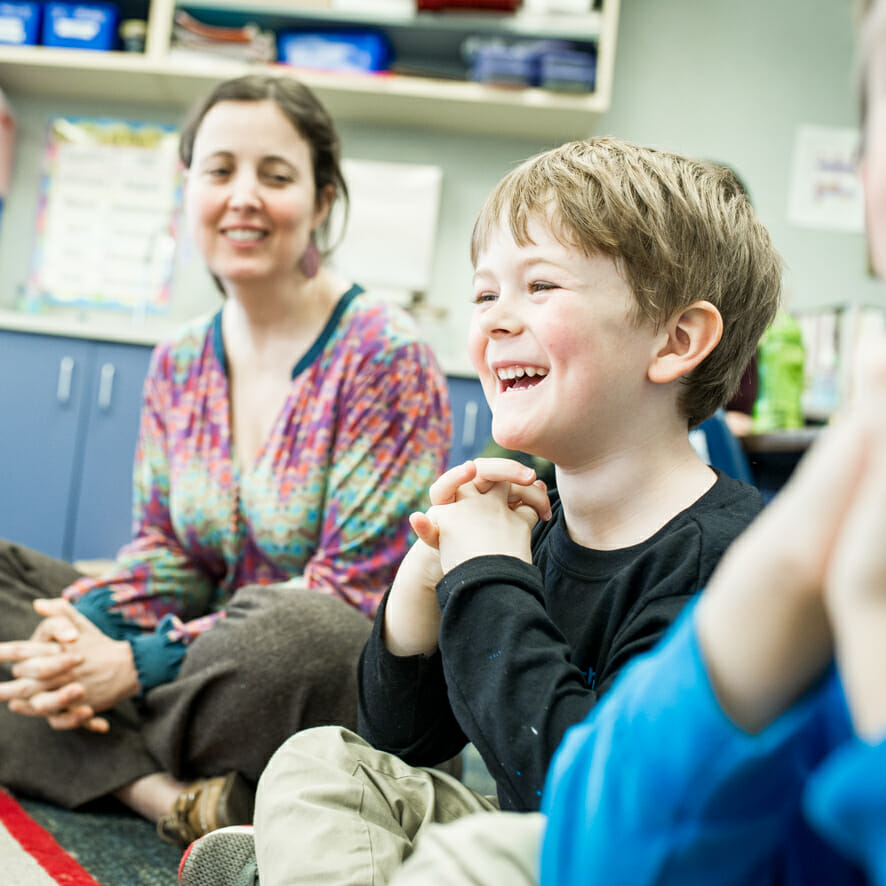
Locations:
(364, 432)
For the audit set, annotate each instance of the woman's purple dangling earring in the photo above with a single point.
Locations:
(310, 260)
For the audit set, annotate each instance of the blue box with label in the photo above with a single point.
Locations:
(361, 51)
(20, 23)
(80, 25)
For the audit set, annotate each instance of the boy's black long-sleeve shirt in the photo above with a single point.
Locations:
(526, 650)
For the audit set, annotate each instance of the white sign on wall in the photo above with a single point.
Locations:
(392, 226)
(825, 189)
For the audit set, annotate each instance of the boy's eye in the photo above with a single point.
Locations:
(541, 286)
(218, 172)
(483, 297)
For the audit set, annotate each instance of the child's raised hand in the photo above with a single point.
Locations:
(483, 523)
(508, 501)
(412, 613)
(768, 593)
(855, 593)
(483, 474)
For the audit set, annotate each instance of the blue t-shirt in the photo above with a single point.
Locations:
(658, 786)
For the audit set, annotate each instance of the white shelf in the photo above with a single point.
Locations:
(177, 80)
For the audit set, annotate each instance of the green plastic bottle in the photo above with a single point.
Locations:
(780, 360)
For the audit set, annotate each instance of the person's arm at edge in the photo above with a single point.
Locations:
(846, 798)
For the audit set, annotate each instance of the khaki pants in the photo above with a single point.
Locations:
(331, 809)
(493, 849)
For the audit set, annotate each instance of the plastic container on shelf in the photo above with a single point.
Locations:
(133, 32)
(20, 23)
(343, 51)
(568, 71)
(502, 66)
(514, 64)
(80, 25)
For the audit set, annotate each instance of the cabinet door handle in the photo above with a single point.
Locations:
(65, 377)
(469, 429)
(106, 386)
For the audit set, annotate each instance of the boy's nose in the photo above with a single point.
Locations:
(502, 317)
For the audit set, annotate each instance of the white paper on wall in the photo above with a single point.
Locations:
(392, 226)
(826, 188)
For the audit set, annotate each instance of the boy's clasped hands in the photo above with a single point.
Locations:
(486, 506)
(68, 670)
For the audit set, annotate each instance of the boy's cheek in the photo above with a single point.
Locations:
(477, 342)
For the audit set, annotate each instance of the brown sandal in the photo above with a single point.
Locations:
(205, 805)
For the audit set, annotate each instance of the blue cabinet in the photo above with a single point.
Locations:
(101, 512)
(471, 418)
(42, 380)
(70, 411)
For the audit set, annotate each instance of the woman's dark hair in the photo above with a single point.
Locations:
(307, 115)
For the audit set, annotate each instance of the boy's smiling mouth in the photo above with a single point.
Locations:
(519, 378)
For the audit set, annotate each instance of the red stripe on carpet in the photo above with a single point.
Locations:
(41, 845)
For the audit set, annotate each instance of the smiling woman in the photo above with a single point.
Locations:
(283, 444)
(250, 194)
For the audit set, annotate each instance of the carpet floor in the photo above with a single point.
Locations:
(115, 846)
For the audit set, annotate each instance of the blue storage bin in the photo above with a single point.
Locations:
(503, 66)
(514, 64)
(80, 25)
(569, 71)
(20, 23)
(343, 51)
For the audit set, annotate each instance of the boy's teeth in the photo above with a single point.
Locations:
(240, 234)
(512, 372)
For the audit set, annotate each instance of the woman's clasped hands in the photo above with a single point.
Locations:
(68, 671)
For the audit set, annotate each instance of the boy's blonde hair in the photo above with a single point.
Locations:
(679, 230)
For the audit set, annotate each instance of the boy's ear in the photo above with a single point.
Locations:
(688, 338)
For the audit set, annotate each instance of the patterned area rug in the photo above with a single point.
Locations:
(42, 845)
(31, 856)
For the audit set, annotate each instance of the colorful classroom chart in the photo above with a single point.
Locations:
(107, 216)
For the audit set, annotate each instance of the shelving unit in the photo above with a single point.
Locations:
(159, 77)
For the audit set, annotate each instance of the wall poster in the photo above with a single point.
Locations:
(106, 220)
